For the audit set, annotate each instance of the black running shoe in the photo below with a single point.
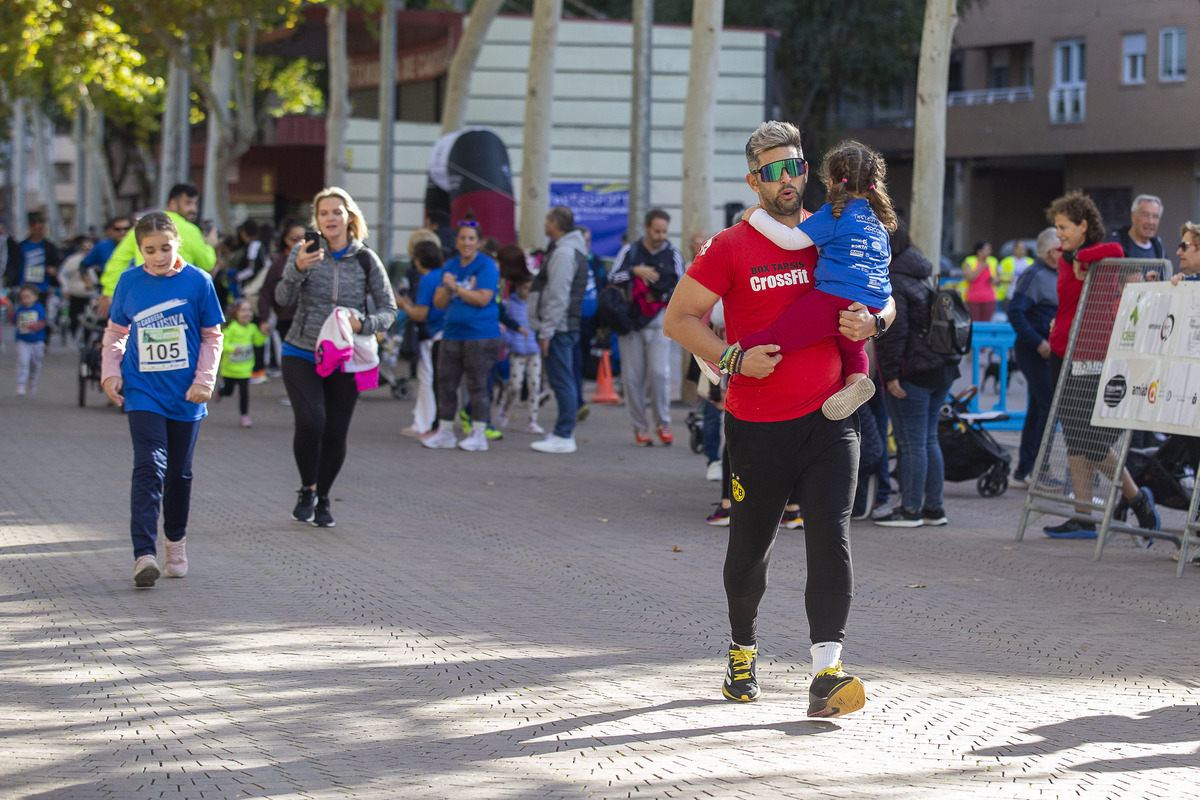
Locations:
(834, 693)
(303, 512)
(1143, 508)
(741, 682)
(322, 517)
(934, 516)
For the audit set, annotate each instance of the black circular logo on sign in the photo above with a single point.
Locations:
(1114, 391)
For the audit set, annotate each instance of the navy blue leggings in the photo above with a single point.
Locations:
(162, 475)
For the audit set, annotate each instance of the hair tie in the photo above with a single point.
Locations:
(843, 180)
(872, 187)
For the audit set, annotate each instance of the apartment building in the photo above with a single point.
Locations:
(1051, 95)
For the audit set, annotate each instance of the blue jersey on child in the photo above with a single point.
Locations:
(854, 253)
(465, 322)
(26, 316)
(164, 316)
(436, 320)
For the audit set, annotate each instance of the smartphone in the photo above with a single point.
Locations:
(313, 240)
(206, 226)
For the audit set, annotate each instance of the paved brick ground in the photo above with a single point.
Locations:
(516, 625)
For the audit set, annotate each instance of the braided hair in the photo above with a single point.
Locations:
(851, 169)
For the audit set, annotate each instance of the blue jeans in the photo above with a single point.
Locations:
(1037, 411)
(162, 474)
(914, 422)
(711, 431)
(560, 369)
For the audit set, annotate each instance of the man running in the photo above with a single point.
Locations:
(778, 439)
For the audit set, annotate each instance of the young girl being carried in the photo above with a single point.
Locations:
(160, 356)
(851, 231)
(237, 360)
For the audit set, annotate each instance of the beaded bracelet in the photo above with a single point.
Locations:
(723, 364)
(735, 366)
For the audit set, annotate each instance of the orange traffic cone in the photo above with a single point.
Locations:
(605, 393)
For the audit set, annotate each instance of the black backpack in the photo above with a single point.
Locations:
(613, 310)
(950, 328)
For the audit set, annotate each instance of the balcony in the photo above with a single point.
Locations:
(987, 97)
(1067, 104)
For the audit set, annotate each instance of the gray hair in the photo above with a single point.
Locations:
(1146, 198)
(1047, 240)
(770, 135)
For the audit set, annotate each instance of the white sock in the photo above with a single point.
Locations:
(446, 425)
(478, 427)
(825, 655)
(735, 646)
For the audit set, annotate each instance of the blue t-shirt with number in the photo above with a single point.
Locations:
(465, 322)
(26, 317)
(34, 266)
(854, 253)
(164, 316)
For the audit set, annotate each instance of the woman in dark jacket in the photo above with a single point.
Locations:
(917, 381)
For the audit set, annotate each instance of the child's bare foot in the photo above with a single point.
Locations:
(858, 390)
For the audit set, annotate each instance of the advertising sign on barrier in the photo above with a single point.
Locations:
(1151, 376)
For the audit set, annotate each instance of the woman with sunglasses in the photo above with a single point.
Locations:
(851, 232)
(1189, 254)
(470, 339)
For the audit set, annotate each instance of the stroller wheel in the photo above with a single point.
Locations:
(401, 390)
(992, 483)
(696, 440)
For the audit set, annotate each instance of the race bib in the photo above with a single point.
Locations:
(35, 273)
(25, 321)
(241, 354)
(162, 349)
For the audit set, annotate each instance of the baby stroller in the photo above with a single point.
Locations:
(969, 451)
(1168, 470)
(92, 327)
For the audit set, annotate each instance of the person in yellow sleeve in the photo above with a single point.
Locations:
(237, 360)
(183, 204)
(1011, 267)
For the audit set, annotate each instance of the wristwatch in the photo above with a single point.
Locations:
(880, 326)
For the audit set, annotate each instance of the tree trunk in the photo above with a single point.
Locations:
(100, 183)
(168, 161)
(458, 79)
(929, 155)
(699, 119)
(338, 103)
(639, 122)
(387, 127)
(43, 137)
(215, 197)
(539, 100)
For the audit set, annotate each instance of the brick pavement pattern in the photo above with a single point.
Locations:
(510, 624)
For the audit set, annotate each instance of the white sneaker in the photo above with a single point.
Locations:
(175, 562)
(555, 444)
(475, 442)
(441, 439)
(145, 571)
(713, 473)
(534, 428)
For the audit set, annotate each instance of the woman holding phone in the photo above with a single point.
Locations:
(331, 267)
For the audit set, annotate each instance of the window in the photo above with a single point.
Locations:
(1068, 94)
(1172, 54)
(1133, 58)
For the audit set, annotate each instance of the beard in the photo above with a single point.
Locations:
(777, 207)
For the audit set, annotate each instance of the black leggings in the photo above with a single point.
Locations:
(816, 461)
(243, 388)
(323, 408)
(472, 359)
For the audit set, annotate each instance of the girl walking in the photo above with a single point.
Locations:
(161, 350)
(242, 336)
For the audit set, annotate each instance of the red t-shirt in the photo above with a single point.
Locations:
(758, 281)
(1070, 289)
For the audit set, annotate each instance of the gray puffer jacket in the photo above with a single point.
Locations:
(332, 283)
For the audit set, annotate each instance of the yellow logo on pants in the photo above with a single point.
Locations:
(739, 493)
